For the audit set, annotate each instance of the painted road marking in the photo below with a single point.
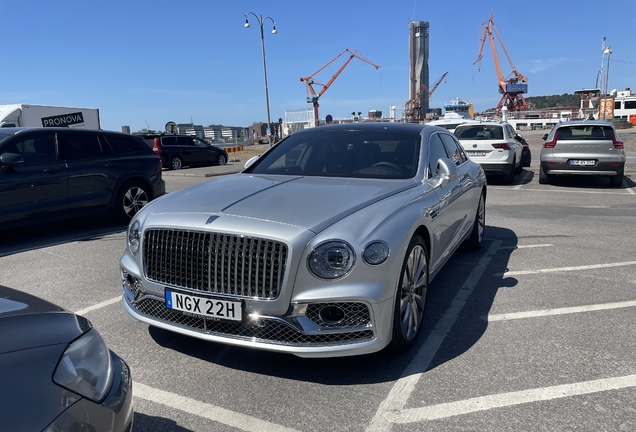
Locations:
(565, 269)
(98, 305)
(527, 246)
(484, 403)
(205, 410)
(404, 387)
(559, 311)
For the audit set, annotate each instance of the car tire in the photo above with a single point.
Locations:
(474, 241)
(510, 177)
(616, 180)
(410, 296)
(543, 177)
(132, 196)
(221, 160)
(176, 163)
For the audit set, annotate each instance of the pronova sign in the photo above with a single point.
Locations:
(63, 120)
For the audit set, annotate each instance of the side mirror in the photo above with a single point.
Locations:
(544, 137)
(250, 162)
(446, 171)
(519, 138)
(10, 159)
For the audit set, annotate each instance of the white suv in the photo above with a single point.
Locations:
(494, 145)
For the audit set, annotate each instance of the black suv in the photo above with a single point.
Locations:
(52, 173)
(177, 151)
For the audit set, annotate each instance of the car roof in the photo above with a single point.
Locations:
(584, 122)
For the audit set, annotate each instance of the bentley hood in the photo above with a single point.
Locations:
(311, 203)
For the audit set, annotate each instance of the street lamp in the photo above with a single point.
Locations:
(607, 51)
(261, 20)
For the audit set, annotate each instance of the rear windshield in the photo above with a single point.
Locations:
(585, 132)
(479, 132)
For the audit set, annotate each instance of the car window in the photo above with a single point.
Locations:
(199, 143)
(79, 145)
(35, 148)
(169, 141)
(479, 132)
(184, 141)
(122, 144)
(436, 150)
(585, 132)
(343, 154)
(454, 149)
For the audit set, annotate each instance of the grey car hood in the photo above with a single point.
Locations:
(311, 203)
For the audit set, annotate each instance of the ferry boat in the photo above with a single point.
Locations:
(464, 109)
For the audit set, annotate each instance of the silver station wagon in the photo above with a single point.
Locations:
(323, 246)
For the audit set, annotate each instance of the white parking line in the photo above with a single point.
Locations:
(205, 410)
(404, 387)
(98, 306)
(565, 269)
(559, 311)
(484, 403)
(527, 246)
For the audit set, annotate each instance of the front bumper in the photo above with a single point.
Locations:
(115, 413)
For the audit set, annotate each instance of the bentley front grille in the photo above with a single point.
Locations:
(215, 263)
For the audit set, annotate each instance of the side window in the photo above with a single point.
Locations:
(75, 146)
(456, 154)
(199, 143)
(35, 148)
(436, 151)
(184, 141)
(169, 141)
(122, 144)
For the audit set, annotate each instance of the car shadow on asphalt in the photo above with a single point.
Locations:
(384, 366)
(146, 423)
(49, 234)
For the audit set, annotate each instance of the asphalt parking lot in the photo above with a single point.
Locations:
(536, 331)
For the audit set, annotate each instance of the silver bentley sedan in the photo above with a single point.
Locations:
(323, 246)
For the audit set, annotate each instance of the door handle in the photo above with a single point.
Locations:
(51, 171)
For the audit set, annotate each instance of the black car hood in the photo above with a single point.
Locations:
(27, 322)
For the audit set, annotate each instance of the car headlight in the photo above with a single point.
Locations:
(331, 260)
(85, 367)
(375, 253)
(134, 237)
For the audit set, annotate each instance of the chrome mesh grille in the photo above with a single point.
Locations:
(355, 314)
(215, 263)
(267, 331)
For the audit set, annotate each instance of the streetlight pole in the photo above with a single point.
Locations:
(607, 51)
(261, 21)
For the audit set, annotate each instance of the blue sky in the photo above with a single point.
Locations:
(144, 63)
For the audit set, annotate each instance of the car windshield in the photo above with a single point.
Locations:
(585, 132)
(338, 153)
(479, 132)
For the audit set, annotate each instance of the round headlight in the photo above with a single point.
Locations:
(134, 237)
(375, 253)
(331, 260)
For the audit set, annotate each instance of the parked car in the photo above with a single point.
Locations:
(526, 155)
(323, 246)
(583, 147)
(53, 173)
(494, 145)
(56, 371)
(177, 151)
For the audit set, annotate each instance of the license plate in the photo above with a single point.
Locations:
(203, 306)
(582, 162)
(475, 153)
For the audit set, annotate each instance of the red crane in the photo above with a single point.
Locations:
(311, 81)
(511, 88)
(413, 107)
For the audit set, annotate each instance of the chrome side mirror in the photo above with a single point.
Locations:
(250, 162)
(446, 171)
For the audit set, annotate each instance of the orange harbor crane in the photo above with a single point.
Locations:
(511, 88)
(311, 81)
(413, 107)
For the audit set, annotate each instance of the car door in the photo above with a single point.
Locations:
(467, 192)
(208, 153)
(91, 177)
(448, 214)
(192, 155)
(36, 187)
